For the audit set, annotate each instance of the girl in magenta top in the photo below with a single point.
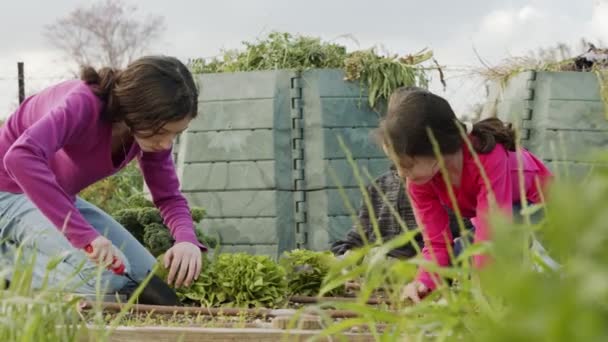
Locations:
(78, 132)
(406, 140)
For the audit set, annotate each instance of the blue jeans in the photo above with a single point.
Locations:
(23, 225)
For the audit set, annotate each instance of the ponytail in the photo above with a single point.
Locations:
(102, 84)
(147, 94)
(490, 132)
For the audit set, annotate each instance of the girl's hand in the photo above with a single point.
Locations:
(414, 291)
(184, 261)
(103, 252)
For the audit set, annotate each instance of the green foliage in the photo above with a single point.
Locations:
(379, 74)
(161, 271)
(306, 270)
(157, 238)
(277, 51)
(147, 216)
(239, 280)
(205, 290)
(138, 201)
(516, 297)
(129, 218)
(145, 223)
(43, 314)
(115, 192)
(250, 280)
(569, 305)
(206, 240)
(197, 214)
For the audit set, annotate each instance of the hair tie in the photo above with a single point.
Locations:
(468, 127)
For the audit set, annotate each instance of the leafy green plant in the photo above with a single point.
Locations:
(238, 279)
(138, 201)
(250, 280)
(306, 270)
(205, 290)
(158, 239)
(380, 75)
(146, 224)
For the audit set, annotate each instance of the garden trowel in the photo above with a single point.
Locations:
(155, 292)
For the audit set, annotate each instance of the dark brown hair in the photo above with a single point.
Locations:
(411, 112)
(147, 94)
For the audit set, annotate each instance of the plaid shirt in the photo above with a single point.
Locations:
(391, 185)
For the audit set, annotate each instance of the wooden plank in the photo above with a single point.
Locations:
(243, 230)
(252, 175)
(191, 334)
(564, 145)
(237, 114)
(242, 85)
(232, 145)
(304, 322)
(234, 204)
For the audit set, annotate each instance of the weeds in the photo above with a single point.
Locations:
(508, 301)
(377, 74)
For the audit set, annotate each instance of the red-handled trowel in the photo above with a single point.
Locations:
(156, 292)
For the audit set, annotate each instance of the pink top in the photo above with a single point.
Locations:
(500, 166)
(56, 144)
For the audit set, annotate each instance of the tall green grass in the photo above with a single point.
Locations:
(508, 301)
(47, 313)
(511, 300)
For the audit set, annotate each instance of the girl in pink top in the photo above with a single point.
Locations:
(76, 133)
(406, 141)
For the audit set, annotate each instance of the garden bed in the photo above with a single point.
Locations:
(146, 334)
(164, 323)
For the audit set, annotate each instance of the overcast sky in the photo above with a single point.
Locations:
(452, 29)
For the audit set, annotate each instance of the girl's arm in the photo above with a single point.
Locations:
(27, 163)
(433, 219)
(159, 173)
